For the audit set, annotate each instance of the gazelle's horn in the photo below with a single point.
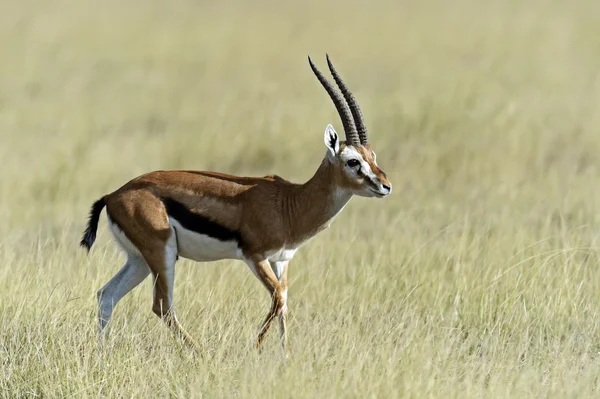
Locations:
(345, 114)
(359, 120)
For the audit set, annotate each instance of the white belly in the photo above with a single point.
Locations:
(203, 248)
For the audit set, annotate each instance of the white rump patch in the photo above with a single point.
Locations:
(122, 241)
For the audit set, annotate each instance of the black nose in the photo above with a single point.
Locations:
(386, 187)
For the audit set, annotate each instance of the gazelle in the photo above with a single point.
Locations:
(207, 216)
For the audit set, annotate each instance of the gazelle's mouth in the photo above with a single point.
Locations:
(378, 193)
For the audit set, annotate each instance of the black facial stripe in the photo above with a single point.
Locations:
(200, 224)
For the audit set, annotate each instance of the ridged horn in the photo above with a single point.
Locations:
(342, 109)
(359, 120)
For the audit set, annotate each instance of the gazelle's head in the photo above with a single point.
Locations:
(353, 159)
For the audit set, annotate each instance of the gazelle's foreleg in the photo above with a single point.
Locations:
(281, 271)
(262, 269)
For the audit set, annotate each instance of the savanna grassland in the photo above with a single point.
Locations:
(478, 277)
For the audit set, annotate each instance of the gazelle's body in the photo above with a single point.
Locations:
(207, 216)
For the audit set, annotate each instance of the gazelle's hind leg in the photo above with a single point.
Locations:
(162, 264)
(131, 275)
(144, 221)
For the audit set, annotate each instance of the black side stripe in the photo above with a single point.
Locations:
(198, 223)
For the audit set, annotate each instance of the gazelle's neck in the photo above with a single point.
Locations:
(311, 206)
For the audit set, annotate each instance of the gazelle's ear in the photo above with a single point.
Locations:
(332, 140)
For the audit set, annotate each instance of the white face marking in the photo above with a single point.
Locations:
(203, 248)
(351, 153)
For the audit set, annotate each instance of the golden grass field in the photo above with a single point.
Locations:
(479, 277)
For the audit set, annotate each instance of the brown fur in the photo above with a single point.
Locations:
(269, 212)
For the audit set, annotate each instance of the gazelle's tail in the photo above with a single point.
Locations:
(89, 235)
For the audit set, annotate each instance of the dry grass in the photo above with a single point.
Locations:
(478, 277)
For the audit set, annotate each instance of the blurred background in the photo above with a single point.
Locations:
(482, 113)
(463, 98)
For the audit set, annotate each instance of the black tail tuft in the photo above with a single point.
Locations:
(89, 235)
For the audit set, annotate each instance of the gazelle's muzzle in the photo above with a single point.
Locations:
(379, 186)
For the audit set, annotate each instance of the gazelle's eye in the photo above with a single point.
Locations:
(352, 163)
